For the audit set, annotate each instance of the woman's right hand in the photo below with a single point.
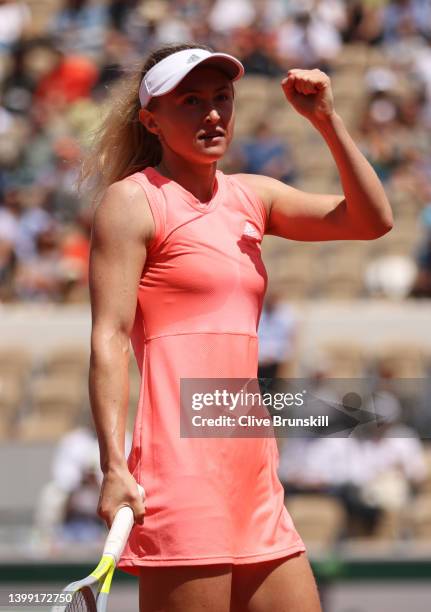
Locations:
(119, 489)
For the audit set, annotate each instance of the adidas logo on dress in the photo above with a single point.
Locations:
(250, 230)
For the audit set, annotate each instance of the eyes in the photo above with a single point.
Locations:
(191, 100)
(194, 100)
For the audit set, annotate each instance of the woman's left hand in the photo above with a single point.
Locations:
(310, 93)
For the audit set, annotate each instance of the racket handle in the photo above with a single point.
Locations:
(120, 530)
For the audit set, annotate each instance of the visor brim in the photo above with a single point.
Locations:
(226, 63)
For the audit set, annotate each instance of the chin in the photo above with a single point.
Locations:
(216, 150)
(208, 158)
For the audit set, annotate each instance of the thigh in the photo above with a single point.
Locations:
(205, 588)
(284, 585)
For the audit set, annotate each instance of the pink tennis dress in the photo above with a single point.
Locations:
(209, 500)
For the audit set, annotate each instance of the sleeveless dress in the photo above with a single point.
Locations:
(209, 500)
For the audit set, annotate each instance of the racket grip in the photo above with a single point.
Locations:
(120, 530)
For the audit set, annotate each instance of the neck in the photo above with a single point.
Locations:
(199, 179)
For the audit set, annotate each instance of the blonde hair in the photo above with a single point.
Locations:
(122, 145)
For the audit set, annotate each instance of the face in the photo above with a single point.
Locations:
(195, 120)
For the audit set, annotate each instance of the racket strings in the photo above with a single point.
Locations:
(82, 601)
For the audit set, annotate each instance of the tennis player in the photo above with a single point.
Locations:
(176, 267)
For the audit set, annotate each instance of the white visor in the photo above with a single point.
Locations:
(166, 74)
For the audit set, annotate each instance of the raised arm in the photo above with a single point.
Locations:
(122, 228)
(361, 213)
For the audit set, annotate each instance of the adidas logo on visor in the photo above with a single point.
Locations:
(193, 58)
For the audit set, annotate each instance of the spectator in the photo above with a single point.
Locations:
(18, 85)
(34, 219)
(69, 464)
(259, 53)
(119, 54)
(69, 497)
(61, 179)
(422, 284)
(75, 255)
(142, 25)
(10, 214)
(72, 78)
(228, 15)
(80, 521)
(406, 18)
(277, 336)
(364, 21)
(421, 71)
(264, 153)
(119, 10)
(307, 41)
(390, 276)
(379, 469)
(42, 276)
(15, 19)
(79, 28)
(21, 221)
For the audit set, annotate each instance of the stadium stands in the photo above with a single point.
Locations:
(315, 170)
(319, 519)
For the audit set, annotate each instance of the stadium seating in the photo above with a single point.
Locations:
(71, 360)
(346, 359)
(10, 396)
(420, 516)
(402, 359)
(55, 404)
(319, 519)
(14, 369)
(426, 486)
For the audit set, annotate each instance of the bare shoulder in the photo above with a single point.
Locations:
(124, 212)
(264, 186)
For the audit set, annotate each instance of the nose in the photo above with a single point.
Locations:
(213, 116)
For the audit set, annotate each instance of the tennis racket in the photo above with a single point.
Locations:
(91, 593)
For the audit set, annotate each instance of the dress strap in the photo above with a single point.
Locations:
(157, 207)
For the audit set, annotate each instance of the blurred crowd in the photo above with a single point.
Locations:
(367, 474)
(55, 72)
(373, 472)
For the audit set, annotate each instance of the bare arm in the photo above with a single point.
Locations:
(361, 213)
(122, 227)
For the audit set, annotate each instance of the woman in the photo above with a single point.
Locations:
(176, 267)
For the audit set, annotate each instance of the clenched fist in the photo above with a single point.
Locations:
(310, 93)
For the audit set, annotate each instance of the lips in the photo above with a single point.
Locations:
(212, 134)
